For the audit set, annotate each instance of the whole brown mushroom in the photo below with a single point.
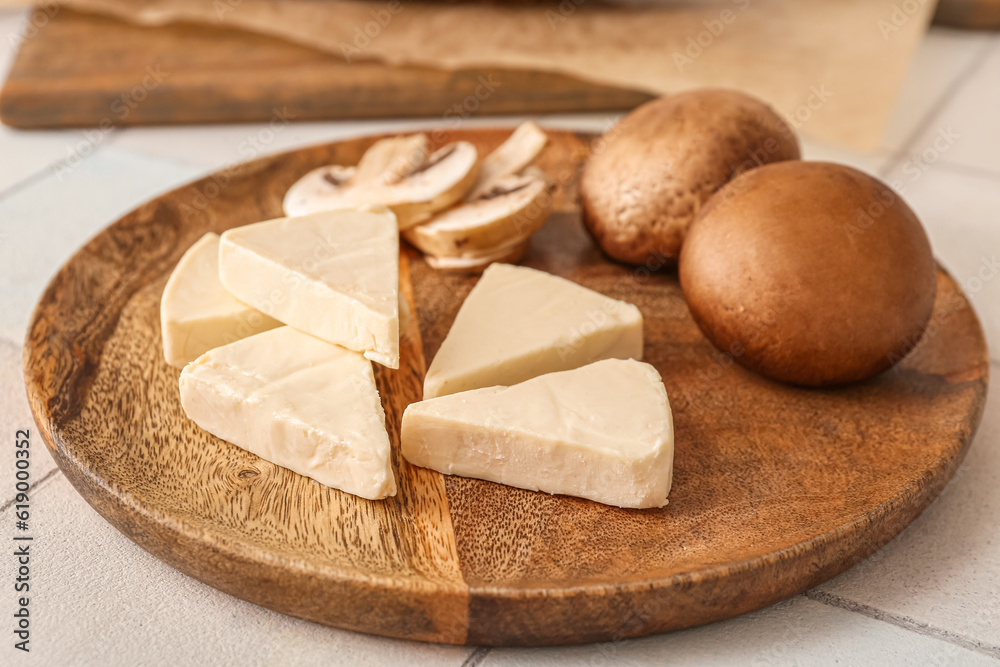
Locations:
(810, 273)
(650, 175)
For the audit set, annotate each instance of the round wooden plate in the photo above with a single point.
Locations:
(776, 488)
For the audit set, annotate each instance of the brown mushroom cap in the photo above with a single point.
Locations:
(809, 272)
(650, 174)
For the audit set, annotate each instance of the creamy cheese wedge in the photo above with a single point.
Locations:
(518, 323)
(334, 275)
(197, 313)
(603, 432)
(298, 402)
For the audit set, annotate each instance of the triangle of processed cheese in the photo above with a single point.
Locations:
(334, 275)
(298, 402)
(518, 323)
(603, 432)
(197, 313)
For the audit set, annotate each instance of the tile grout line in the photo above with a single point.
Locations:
(204, 168)
(903, 622)
(53, 167)
(29, 180)
(956, 84)
(38, 484)
(967, 170)
(476, 657)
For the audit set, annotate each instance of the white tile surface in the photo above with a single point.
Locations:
(15, 415)
(942, 570)
(960, 212)
(11, 22)
(35, 152)
(581, 122)
(91, 583)
(974, 113)
(940, 59)
(44, 223)
(797, 632)
(870, 162)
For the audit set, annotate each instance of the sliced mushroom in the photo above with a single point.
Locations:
(535, 172)
(508, 213)
(414, 195)
(391, 159)
(317, 184)
(387, 160)
(510, 157)
(478, 263)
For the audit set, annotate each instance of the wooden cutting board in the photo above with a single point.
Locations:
(776, 488)
(85, 70)
(971, 14)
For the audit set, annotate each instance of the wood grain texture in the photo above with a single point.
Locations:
(969, 14)
(84, 70)
(776, 489)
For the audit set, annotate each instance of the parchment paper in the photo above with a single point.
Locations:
(833, 67)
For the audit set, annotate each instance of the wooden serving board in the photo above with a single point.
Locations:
(85, 70)
(776, 488)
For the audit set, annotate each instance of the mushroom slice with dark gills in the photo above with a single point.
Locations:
(508, 213)
(413, 191)
(511, 157)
